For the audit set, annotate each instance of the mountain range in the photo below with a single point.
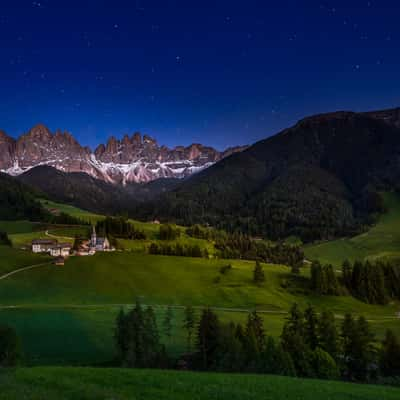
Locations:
(132, 159)
(318, 179)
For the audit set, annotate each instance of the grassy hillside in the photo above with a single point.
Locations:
(79, 302)
(71, 210)
(381, 241)
(13, 227)
(121, 384)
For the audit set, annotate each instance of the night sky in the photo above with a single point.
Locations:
(217, 72)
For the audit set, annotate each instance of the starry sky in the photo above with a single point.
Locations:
(217, 72)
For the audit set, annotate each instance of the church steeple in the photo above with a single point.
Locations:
(94, 237)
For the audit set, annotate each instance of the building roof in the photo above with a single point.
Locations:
(62, 246)
(44, 241)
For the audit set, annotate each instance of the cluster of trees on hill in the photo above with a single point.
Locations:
(119, 227)
(202, 232)
(65, 219)
(373, 283)
(310, 345)
(243, 246)
(169, 232)
(178, 249)
(323, 280)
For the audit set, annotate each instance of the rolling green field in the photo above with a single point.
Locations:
(71, 210)
(124, 384)
(81, 300)
(381, 241)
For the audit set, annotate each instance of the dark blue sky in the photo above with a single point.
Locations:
(217, 72)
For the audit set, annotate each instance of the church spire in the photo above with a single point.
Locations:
(94, 236)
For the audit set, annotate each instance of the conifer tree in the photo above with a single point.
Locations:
(390, 355)
(121, 334)
(346, 274)
(327, 334)
(167, 323)
(310, 328)
(189, 323)
(208, 339)
(258, 274)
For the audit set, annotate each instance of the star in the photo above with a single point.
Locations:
(116, 26)
(178, 58)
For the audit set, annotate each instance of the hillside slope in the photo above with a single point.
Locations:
(314, 180)
(382, 241)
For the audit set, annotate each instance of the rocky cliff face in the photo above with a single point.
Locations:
(131, 159)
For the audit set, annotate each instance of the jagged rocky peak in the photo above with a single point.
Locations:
(39, 132)
(129, 159)
(148, 140)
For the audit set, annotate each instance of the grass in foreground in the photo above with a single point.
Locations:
(124, 384)
(381, 241)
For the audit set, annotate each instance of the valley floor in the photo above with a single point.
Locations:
(123, 384)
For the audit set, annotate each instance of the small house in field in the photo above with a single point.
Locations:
(60, 250)
(60, 261)
(43, 245)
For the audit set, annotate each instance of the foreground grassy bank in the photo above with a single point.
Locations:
(121, 384)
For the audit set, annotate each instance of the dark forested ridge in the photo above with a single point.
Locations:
(17, 201)
(318, 179)
(84, 191)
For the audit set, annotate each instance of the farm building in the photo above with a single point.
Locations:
(51, 246)
(61, 249)
(43, 245)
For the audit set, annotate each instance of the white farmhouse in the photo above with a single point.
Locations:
(60, 250)
(43, 245)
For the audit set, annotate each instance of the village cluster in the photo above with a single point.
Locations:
(60, 251)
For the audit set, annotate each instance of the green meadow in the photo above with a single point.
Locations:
(124, 384)
(79, 301)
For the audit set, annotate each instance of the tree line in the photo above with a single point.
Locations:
(311, 345)
(237, 245)
(177, 249)
(119, 227)
(374, 283)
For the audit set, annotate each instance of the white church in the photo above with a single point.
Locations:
(98, 243)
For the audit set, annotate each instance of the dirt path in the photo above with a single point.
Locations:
(58, 237)
(22, 269)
